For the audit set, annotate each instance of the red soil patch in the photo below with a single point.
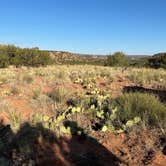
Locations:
(136, 149)
(115, 87)
(3, 118)
(21, 106)
(159, 159)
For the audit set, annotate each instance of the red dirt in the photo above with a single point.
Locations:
(122, 148)
(21, 106)
(159, 159)
(3, 118)
(115, 87)
(136, 149)
(101, 149)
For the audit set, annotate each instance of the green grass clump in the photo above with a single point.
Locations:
(58, 95)
(15, 119)
(27, 79)
(151, 111)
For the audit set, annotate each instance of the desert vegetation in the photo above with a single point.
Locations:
(158, 61)
(117, 59)
(82, 83)
(12, 55)
(111, 114)
(34, 57)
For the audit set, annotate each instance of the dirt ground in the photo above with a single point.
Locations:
(100, 149)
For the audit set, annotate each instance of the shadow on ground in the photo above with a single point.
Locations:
(161, 94)
(36, 145)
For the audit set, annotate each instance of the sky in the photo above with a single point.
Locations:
(85, 26)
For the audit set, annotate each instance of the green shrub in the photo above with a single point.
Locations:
(11, 55)
(31, 57)
(117, 59)
(151, 111)
(4, 60)
(158, 61)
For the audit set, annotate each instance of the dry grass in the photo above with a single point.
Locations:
(35, 84)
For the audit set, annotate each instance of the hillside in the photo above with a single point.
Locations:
(65, 56)
(60, 56)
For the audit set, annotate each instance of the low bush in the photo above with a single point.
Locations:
(151, 111)
(117, 59)
(4, 60)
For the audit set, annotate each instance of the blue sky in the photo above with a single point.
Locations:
(85, 26)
